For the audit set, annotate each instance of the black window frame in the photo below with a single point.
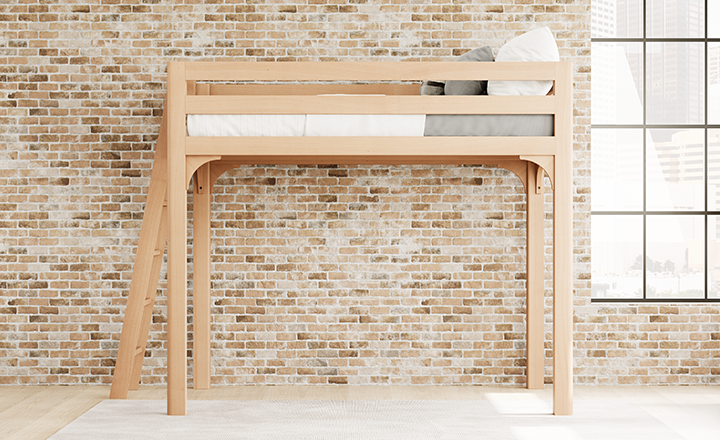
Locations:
(645, 126)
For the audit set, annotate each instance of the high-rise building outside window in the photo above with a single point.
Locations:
(655, 150)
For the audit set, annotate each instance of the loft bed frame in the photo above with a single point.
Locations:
(201, 88)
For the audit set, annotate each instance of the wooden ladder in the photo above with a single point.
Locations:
(145, 277)
(148, 264)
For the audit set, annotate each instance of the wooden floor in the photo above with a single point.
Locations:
(37, 412)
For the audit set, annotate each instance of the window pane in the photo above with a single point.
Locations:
(713, 188)
(675, 263)
(675, 161)
(675, 83)
(616, 243)
(617, 169)
(713, 256)
(617, 19)
(617, 83)
(676, 18)
(713, 73)
(713, 14)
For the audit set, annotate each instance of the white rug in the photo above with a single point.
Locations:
(366, 419)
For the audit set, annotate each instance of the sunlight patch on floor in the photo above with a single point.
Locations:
(519, 404)
(545, 433)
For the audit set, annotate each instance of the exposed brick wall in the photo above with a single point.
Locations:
(368, 274)
(363, 274)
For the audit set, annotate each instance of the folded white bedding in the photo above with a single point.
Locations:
(305, 125)
(365, 125)
(370, 125)
(246, 125)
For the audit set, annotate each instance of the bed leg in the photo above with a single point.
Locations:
(201, 278)
(535, 305)
(177, 243)
(562, 296)
(563, 247)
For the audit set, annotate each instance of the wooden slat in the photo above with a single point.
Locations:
(367, 71)
(311, 89)
(370, 150)
(363, 105)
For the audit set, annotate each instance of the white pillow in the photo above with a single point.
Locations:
(537, 45)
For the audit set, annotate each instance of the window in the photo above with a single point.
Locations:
(655, 150)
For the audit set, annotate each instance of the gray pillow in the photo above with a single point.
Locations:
(432, 88)
(471, 87)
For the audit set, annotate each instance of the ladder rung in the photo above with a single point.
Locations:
(139, 351)
(148, 302)
(157, 253)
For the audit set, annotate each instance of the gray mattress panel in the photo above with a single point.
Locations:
(489, 125)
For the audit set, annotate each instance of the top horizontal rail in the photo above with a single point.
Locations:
(368, 71)
(368, 105)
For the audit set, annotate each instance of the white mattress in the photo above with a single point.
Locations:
(305, 125)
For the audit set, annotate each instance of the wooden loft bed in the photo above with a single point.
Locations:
(201, 88)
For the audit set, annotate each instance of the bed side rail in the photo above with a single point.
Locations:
(368, 71)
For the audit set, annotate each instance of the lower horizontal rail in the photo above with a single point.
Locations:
(375, 150)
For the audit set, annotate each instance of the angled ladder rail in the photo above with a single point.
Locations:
(145, 277)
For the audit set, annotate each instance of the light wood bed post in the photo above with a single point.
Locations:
(177, 242)
(202, 188)
(535, 303)
(562, 246)
(202, 196)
